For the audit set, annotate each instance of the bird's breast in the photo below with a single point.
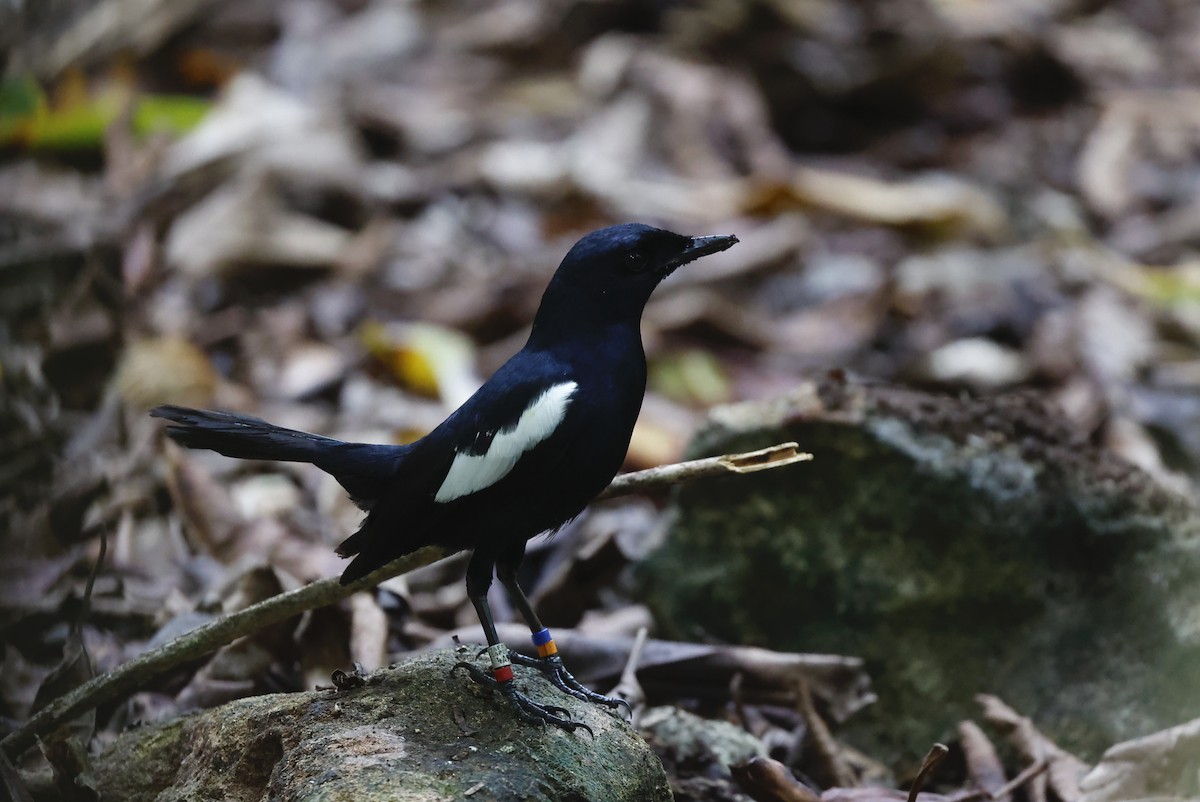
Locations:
(607, 409)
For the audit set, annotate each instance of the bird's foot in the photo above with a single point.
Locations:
(551, 665)
(501, 680)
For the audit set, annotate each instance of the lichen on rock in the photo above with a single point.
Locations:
(413, 733)
(960, 546)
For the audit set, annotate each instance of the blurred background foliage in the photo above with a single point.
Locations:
(340, 214)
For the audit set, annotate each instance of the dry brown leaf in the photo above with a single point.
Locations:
(71, 767)
(1064, 771)
(832, 331)
(766, 246)
(236, 669)
(32, 584)
(1163, 766)
(933, 201)
(585, 560)
(22, 678)
(323, 644)
(983, 764)
(264, 495)
(165, 370)
(106, 29)
(307, 369)
(1136, 126)
(768, 780)
(204, 505)
(877, 795)
(970, 18)
(1107, 49)
(205, 691)
(12, 784)
(669, 669)
(139, 258)
(527, 167)
(704, 308)
(319, 46)
(431, 360)
(368, 632)
(829, 765)
(691, 376)
(1116, 339)
(977, 362)
(244, 224)
(264, 128)
(652, 444)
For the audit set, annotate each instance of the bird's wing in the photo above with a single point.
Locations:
(523, 406)
(490, 438)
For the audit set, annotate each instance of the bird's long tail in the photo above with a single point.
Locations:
(241, 436)
(362, 468)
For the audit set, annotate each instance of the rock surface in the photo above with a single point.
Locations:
(694, 738)
(411, 733)
(961, 546)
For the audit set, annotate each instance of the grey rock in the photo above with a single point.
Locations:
(960, 546)
(696, 739)
(414, 732)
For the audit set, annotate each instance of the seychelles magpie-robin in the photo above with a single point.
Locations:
(523, 455)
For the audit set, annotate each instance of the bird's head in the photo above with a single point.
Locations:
(608, 276)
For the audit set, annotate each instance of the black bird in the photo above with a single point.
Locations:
(524, 455)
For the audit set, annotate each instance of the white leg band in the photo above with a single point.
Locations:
(498, 654)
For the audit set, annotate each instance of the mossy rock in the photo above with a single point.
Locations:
(960, 546)
(411, 733)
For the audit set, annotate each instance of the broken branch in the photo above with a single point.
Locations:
(937, 753)
(653, 478)
(136, 673)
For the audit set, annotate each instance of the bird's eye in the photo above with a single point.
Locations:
(635, 261)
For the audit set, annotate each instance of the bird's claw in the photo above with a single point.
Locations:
(527, 709)
(554, 670)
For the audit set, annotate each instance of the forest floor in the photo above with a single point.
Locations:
(339, 215)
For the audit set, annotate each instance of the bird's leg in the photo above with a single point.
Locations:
(547, 661)
(479, 577)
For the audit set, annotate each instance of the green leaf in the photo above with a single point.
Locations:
(176, 114)
(27, 119)
(20, 100)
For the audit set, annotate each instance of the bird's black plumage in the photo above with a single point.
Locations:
(364, 469)
(541, 438)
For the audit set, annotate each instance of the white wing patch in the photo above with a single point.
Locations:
(470, 473)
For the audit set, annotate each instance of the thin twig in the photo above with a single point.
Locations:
(136, 673)
(826, 748)
(666, 475)
(628, 687)
(629, 673)
(209, 637)
(1034, 769)
(85, 609)
(937, 753)
(982, 795)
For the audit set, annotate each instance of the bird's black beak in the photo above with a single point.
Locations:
(700, 246)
